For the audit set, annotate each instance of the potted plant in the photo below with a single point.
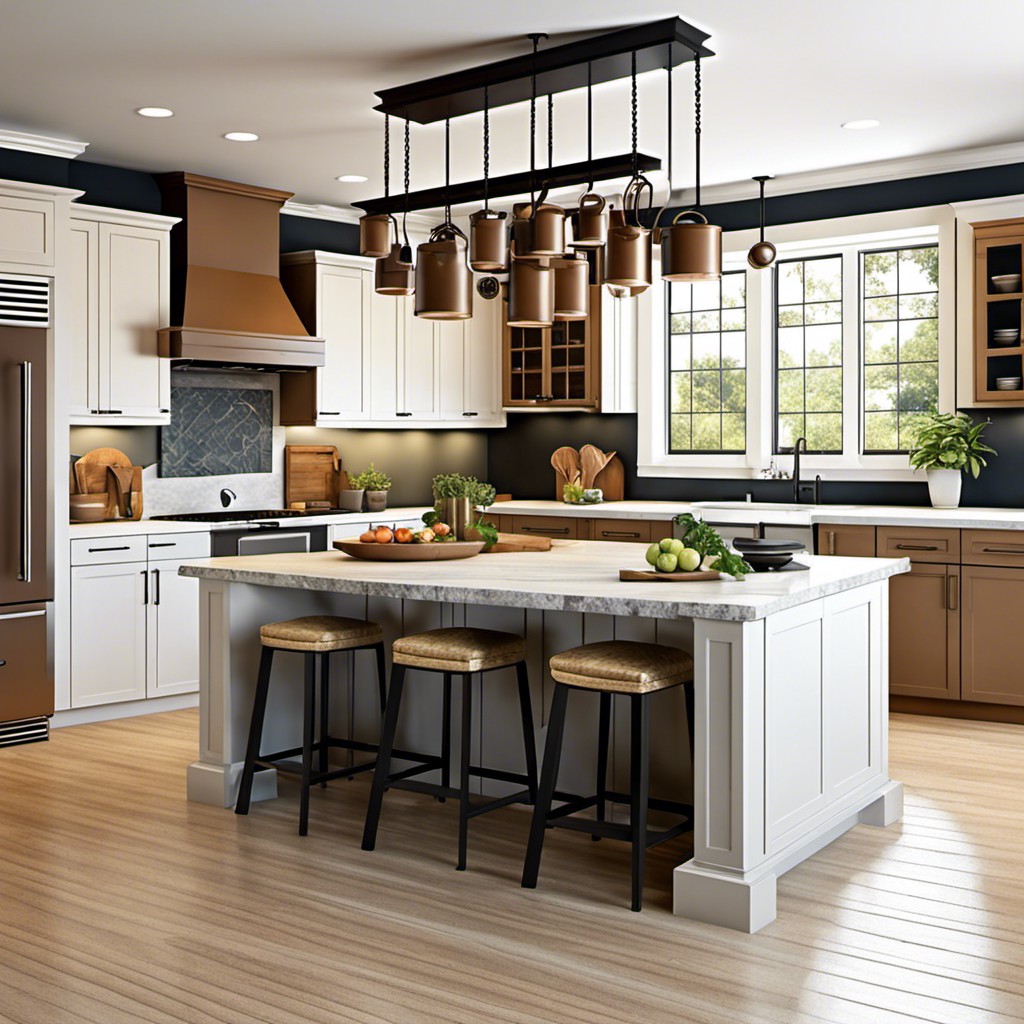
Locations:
(351, 498)
(375, 485)
(945, 445)
(456, 499)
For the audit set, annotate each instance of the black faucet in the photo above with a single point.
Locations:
(797, 485)
(227, 496)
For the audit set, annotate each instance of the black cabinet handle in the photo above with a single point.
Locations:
(545, 529)
(164, 544)
(620, 533)
(403, 413)
(952, 593)
(156, 586)
(1012, 550)
(123, 547)
(111, 412)
(145, 586)
(917, 547)
(325, 412)
(165, 410)
(470, 414)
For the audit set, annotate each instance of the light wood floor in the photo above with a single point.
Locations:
(121, 902)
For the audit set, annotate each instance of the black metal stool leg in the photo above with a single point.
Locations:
(383, 769)
(252, 749)
(308, 728)
(529, 741)
(464, 758)
(603, 739)
(446, 734)
(382, 675)
(325, 713)
(548, 780)
(638, 790)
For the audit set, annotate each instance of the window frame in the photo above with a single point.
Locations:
(903, 228)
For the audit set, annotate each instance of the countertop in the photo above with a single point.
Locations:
(579, 576)
(130, 528)
(874, 515)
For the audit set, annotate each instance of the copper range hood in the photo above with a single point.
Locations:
(228, 308)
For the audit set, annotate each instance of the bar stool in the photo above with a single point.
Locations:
(455, 651)
(611, 667)
(315, 637)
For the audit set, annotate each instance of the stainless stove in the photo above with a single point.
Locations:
(260, 531)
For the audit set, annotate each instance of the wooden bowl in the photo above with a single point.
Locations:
(394, 552)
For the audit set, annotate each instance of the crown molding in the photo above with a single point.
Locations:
(29, 143)
(321, 211)
(859, 174)
(130, 218)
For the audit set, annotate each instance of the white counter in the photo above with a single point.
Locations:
(790, 682)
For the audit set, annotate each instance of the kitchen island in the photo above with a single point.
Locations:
(791, 730)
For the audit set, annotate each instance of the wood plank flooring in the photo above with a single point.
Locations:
(121, 902)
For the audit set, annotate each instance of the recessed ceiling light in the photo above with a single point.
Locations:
(155, 112)
(241, 136)
(859, 126)
(347, 178)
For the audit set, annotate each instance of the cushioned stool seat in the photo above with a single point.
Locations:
(320, 633)
(459, 649)
(622, 666)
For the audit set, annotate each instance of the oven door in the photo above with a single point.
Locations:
(274, 541)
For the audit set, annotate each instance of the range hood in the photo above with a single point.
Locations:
(227, 304)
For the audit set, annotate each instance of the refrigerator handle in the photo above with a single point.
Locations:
(26, 473)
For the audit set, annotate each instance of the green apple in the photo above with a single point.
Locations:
(667, 544)
(677, 546)
(652, 553)
(667, 562)
(689, 559)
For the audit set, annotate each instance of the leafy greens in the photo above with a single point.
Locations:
(704, 538)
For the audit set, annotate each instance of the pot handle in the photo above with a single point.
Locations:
(598, 206)
(689, 213)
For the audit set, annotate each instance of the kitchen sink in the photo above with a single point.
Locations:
(764, 506)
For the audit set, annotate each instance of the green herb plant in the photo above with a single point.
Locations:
(705, 539)
(950, 441)
(488, 532)
(455, 485)
(370, 479)
(572, 493)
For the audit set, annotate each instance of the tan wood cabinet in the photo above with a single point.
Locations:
(998, 249)
(851, 541)
(919, 544)
(625, 530)
(562, 527)
(993, 648)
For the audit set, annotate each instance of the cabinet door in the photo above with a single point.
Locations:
(418, 370)
(848, 540)
(993, 653)
(924, 632)
(635, 530)
(108, 633)
(344, 319)
(619, 336)
(564, 527)
(387, 325)
(451, 347)
(173, 630)
(135, 279)
(481, 362)
(85, 317)
(26, 231)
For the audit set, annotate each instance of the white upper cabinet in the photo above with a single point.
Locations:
(120, 288)
(26, 228)
(622, 320)
(481, 361)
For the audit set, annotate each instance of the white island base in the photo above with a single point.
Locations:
(791, 716)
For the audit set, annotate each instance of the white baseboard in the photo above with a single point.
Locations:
(129, 709)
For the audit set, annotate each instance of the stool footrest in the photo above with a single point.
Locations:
(436, 789)
(654, 803)
(498, 775)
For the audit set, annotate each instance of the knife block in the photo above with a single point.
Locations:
(611, 480)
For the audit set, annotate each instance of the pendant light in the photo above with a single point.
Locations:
(572, 287)
(444, 283)
(691, 249)
(394, 274)
(762, 253)
(375, 228)
(628, 249)
(590, 221)
(488, 247)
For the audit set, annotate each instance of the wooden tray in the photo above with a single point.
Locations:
(438, 551)
(650, 576)
(515, 542)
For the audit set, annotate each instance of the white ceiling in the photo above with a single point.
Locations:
(939, 74)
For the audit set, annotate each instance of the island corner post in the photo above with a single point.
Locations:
(791, 689)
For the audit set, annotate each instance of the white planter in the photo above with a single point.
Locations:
(944, 487)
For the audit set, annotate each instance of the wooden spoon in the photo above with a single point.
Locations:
(566, 461)
(593, 460)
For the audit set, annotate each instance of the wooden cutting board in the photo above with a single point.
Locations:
(642, 576)
(611, 480)
(312, 472)
(91, 469)
(515, 542)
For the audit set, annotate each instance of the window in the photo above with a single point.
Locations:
(809, 354)
(707, 359)
(900, 317)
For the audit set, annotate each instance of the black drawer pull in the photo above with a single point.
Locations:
(544, 529)
(111, 412)
(619, 533)
(470, 414)
(917, 547)
(403, 413)
(1015, 550)
(123, 547)
(164, 544)
(324, 412)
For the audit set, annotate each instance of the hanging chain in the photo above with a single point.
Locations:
(636, 163)
(533, 120)
(387, 155)
(590, 126)
(487, 147)
(696, 123)
(447, 170)
(668, 68)
(407, 165)
(551, 130)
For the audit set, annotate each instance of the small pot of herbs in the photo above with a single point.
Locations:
(704, 538)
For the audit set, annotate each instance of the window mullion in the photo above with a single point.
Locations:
(852, 360)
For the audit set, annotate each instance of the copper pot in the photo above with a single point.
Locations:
(394, 274)
(444, 284)
(590, 222)
(572, 288)
(374, 234)
(627, 260)
(691, 251)
(531, 292)
(488, 246)
(538, 229)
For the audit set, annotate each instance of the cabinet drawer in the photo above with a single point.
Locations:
(105, 550)
(850, 540)
(993, 547)
(920, 544)
(542, 526)
(638, 530)
(178, 545)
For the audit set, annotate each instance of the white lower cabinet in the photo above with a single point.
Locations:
(134, 623)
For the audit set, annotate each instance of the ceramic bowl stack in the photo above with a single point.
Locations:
(1005, 336)
(1005, 283)
(1008, 383)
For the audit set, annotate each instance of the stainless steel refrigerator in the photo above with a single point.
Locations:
(26, 547)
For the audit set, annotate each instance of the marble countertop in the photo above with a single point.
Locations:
(580, 576)
(128, 528)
